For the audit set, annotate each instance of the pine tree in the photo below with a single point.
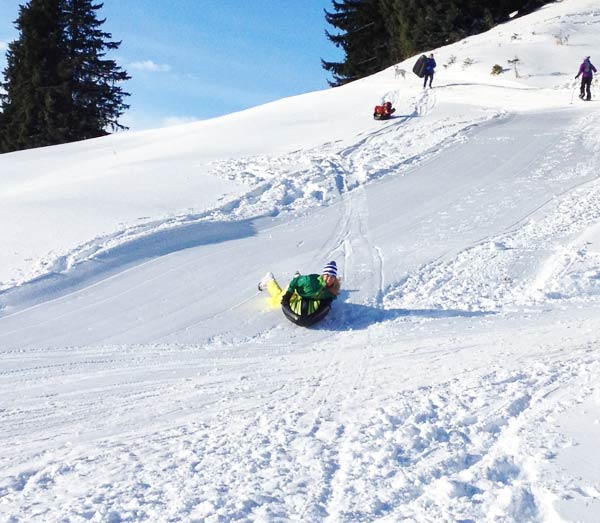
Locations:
(36, 95)
(363, 38)
(59, 87)
(375, 34)
(97, 99)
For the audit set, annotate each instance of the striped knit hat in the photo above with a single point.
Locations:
(331, 269)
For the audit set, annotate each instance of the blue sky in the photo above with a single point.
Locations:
(196, 59)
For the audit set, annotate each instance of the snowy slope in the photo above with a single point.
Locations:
(143, 378)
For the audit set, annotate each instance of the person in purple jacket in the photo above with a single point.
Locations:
(586, 70)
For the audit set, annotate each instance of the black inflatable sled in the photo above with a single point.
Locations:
(303, 319)
(419, 67)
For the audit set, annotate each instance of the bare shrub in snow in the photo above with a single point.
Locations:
(514, 63)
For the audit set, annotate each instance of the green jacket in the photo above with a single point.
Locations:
(310, 286)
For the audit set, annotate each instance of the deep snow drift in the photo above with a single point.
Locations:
(143, 377)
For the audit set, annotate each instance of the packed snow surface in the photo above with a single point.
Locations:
(144, 378)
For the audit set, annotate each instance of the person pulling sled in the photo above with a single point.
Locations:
(425, 68)
(429, 70)
(383, 112)
(307, 297)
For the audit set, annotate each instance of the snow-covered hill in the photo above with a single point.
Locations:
(143, 377)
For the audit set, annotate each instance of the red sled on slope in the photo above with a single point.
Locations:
(383, 112)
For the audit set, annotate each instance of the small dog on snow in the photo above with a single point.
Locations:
(399, 72)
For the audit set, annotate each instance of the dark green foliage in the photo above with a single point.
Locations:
(363, 37)
(58, 88)
(389, 31)
(37, 80)
(97, 98)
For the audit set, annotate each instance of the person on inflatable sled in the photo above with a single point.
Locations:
(307, 298)
(383, 112)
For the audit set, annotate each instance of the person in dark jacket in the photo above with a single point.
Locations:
(586, 71)
(429, 70)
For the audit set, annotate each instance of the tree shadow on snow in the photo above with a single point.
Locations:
(179, 238)
(352, 316)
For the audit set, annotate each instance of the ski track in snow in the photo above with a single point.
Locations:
(318, 437)
(457, 450)
(339, 449)
(502, 271)
(294, 182)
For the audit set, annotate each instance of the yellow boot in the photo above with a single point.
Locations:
(275, 293)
